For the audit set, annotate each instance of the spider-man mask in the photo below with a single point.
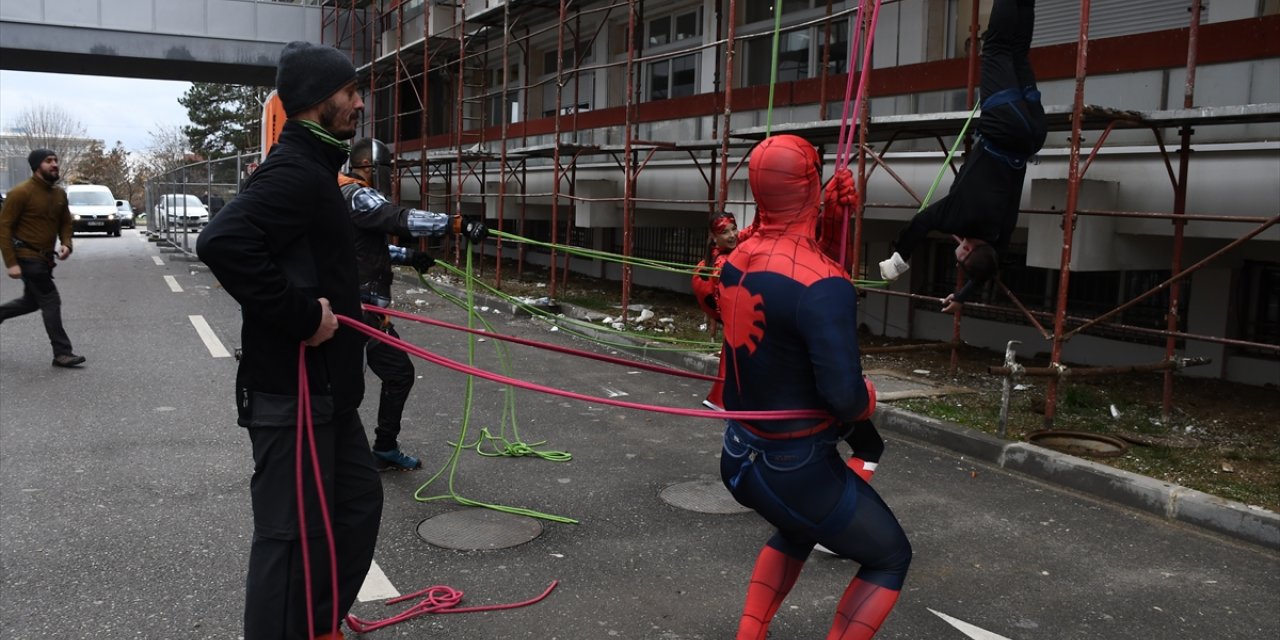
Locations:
(786, 181)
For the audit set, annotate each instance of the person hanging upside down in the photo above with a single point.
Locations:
(981, 209)
(791, 342)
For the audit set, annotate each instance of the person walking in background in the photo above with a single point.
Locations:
(35, 219)
(981, 209)
(363, 186)
(791, 343)
(284, 249)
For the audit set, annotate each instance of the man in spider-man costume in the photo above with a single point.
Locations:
(790, 342)
(981, 209)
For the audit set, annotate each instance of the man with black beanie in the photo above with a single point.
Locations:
(35, 217)
(283, 248)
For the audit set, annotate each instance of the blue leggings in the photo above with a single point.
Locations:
(803, 488)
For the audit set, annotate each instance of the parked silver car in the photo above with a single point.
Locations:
(124, 213)
(182, 211)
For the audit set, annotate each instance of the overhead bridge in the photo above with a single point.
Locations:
(223, 41)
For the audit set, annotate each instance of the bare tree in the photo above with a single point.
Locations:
(167, 150)
(48, 126)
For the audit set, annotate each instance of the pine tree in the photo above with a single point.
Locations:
(226, 119)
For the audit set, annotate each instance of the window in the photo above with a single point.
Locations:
(763, 10)
(672, 78)
(571, 59)
(1258, 296)
(496, 108)
(799, 54)
(674, 28)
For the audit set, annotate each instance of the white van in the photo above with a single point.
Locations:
(93, 209)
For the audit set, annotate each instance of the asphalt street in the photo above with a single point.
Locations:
(124, 499)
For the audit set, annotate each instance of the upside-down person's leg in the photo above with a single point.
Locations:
(774, 574)
(1024, 31)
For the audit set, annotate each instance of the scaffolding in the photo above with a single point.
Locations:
(451, 87)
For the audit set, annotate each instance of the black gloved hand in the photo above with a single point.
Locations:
(421, 260)
(475, 231)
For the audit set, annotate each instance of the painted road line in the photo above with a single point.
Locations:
(158, 261)
(173, 284)
(977, 633)
(376, 586)
(211, 341)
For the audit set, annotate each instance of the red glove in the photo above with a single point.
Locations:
(871, 400)
(840, 195)
(840, 192)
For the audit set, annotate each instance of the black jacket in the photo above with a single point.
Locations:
(278, 246)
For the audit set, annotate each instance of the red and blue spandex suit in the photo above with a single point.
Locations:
(790, 342)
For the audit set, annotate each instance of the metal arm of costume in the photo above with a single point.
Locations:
(372, 209)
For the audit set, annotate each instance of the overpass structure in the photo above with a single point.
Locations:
(225, 41)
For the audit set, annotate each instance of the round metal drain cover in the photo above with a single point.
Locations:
(703, 496)
(471, 529)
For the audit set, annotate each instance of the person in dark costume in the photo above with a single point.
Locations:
(368, 178)
(981, 209)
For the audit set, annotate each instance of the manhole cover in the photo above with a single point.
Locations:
(471, 529)
(703, 496)
(1079, 443)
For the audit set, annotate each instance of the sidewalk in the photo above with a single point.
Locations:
(1164, 500)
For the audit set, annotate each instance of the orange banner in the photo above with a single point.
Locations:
(273, 118)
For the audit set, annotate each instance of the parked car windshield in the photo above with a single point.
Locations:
(85, 198)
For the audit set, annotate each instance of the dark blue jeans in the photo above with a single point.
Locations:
(39, 293)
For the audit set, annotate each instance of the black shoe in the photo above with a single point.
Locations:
(68, 360)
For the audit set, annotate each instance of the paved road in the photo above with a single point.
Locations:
(124, 508)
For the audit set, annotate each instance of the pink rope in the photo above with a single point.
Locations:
(433, 358)
(436, 599)
(543, 345)
(307, 428)
(842, 154)
(845, 147)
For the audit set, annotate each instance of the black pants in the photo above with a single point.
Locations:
(1012, 115)
(275, 596)
(395, 370)
(38, 292)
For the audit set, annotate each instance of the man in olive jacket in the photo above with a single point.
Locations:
(34, 220)
(283, 249)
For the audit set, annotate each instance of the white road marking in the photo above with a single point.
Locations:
(211, 341)
(376, 586)
(158, 261)
(173, 284)
(977, 633)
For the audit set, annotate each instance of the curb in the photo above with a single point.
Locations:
(1172, 502)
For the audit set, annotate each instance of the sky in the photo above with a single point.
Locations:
(109, 109)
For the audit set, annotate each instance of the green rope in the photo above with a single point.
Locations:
(773, 72)
(512, 447)
(451, 465)
(582, 252)
(566, 323)
(947, 162)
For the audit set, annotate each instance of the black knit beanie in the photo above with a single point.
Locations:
(37, 156)
(309, 73)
